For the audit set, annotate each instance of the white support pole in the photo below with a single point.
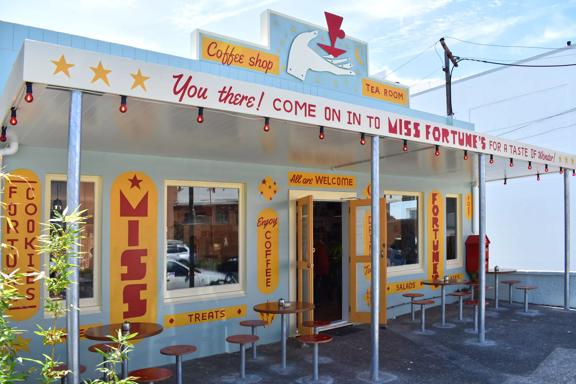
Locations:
(566, 239)
(375, 257)
(482, 246)
(474, 190)
(73, 202)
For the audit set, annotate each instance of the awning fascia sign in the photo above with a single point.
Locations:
(96, 72)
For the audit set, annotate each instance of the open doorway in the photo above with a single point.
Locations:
(328, 260)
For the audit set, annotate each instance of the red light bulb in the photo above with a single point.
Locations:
(200, 117)
(529, 165)
(362, 139)
(29, 97)
(3, 135)
(546, 168)
(437, 151)
(491, 159)
(123, 104)
(321, 134)
(13, 120)
(465, 155)
(511, 162)
(405, 146)
(266, 126)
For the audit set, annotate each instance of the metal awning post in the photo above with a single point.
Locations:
(73, 201)
(482, 245)
(566, 239)
(375, 257)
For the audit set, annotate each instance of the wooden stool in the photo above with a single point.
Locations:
(242, 340)
(526, 288)
(422, 304)
(64, 367)
(253, 324)
(510, 283)
(151, 375)
(314, 324)
(412, 297)
(315, 339)
(103, 348)
(178, 351)
(460, 296)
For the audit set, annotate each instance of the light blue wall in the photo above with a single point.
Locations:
(209, 337)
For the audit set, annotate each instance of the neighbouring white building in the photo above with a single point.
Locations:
(537, 106)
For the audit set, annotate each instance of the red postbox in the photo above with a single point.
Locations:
(472, 253)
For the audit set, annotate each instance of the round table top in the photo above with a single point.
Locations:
(178, 350)
(142, 331)
(446, 282)
(289, 307)
(502, 270)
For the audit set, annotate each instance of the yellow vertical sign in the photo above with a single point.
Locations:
(367, 233)
(267, 228)
(20, 231)
(469, 206)
(133, 249)
(435, 235)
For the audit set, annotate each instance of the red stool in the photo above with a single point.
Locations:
(242, 340)
(460, 296)
(253, 324)
(151, 375)
(412, 297)
(64, 367)
(315, 324)
(315, 339)
(178, 351)
(422, 304)
(103, 348)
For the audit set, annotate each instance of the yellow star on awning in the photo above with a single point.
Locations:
(100, 73)
(21, 344)
(139, 80)
(62, 66)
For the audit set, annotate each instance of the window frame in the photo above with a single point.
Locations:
(459, 260)
(402, 270)
(215, 291)
(87, 305)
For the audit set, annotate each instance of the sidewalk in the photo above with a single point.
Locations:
(527, 349)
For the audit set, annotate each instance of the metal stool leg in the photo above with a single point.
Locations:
(423, 319)
(460, 308)
(510, 294)
(473, 291)
(315, 363)
(412, 309)
(253, 344)
(242, 361)
(525, 300)
(179, 369)
(476, 318)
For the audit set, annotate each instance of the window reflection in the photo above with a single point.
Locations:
(202, 236)
(402, 230)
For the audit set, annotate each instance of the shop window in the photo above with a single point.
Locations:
(89, 261)
(452, 228)
(204, 243)
(403, 231)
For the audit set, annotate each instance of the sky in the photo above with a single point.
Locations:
(402, 34)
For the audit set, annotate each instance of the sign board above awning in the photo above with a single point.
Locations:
(59, 66)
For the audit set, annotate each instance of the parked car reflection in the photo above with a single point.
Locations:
(178, 276)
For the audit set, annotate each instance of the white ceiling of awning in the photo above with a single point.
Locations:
(161, 129)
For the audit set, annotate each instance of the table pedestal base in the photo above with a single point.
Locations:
(444, 326)
(383, 377)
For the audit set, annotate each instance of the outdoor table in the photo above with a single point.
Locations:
(498, 271)
(288, 308)
(105, 332)
(443, 284)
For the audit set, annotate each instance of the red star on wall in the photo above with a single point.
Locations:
(135, 182)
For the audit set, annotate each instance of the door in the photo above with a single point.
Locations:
(360, 261)
(305, 257)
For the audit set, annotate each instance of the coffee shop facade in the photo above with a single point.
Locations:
(238, 177)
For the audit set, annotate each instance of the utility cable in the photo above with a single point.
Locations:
(499, 45)
(516, 65)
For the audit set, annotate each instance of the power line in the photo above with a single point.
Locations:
(545, 132)
(411, 59)
(524, 124)
(500, 45)
(516, 65)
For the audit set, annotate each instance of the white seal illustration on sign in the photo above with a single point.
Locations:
(302, 58)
